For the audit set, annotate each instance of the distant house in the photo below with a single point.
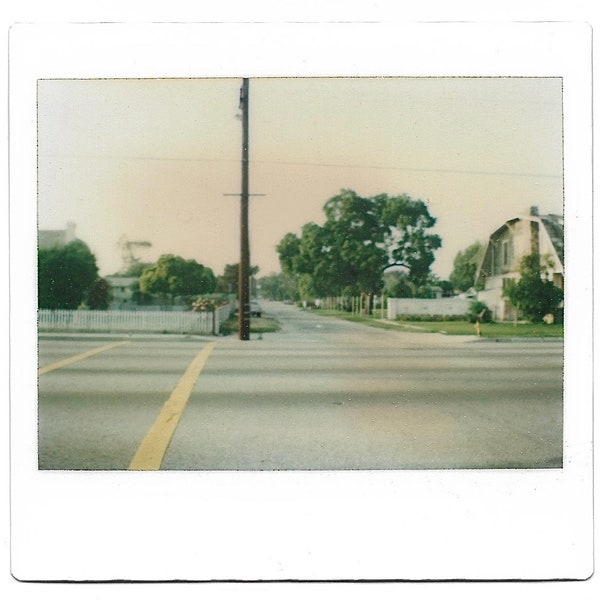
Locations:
(52, 238)
(519, 237)
(121, 291)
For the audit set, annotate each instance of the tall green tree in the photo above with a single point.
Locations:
(98, 295)
(397, 285)
(466, 263)
(228, 282)
(279, 286)
(65, 274)
(174, 276)
(360, 239)
(533, 296)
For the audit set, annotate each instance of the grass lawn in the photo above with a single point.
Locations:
(488, 330)
(257, 325)
(491, 330)
(263, 325)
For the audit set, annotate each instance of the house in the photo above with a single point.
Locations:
(52, 238)
(519, 237)
(121, 291)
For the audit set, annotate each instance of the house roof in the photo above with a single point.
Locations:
(552, 224)
(555, 227)
(49, 238)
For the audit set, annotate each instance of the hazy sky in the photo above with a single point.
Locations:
(152, 159)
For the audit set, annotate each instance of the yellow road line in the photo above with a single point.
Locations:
(68, 361)
(152, 450)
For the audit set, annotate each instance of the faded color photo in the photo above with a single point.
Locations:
(405, 273)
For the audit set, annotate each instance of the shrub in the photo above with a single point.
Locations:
(533, 296)
(478, 311)
(431, 318)
(207, 304)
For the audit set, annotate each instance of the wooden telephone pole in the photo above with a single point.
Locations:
(244, 267)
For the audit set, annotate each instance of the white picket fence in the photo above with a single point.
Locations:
(134, 321)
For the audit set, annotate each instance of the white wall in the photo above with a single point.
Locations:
(420, 306)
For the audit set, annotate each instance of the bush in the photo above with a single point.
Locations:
(478, 311)
(533, 296)
(431, 318)
(207, 304)
(228, 327)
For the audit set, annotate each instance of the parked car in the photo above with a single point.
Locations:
(255, 309)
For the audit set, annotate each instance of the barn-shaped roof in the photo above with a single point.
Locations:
(552, 225)
(555, 228)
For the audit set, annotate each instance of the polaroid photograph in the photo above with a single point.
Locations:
(301, 302)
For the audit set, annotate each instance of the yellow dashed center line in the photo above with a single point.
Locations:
(151, 452)
(73, 359)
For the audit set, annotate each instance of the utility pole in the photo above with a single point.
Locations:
(244, 267)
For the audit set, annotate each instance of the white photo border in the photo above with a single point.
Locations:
(320, 526)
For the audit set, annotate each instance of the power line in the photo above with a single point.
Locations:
(416, 169)
(313, 164)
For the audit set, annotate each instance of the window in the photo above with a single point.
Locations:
(505, 253)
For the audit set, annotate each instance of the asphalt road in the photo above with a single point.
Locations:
(320, 394)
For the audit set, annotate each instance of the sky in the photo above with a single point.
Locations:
(157, 160)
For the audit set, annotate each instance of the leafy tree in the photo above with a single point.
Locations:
(228, 282)
(174, 276)
(65, 274)
(433, 287)
(98, 295)
(360, 239)
(533, 296)
(466, 263)
(139, 297)
(279, 286)
(398, 285)
(447, 288)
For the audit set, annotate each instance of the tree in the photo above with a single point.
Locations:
(466, 263)
(98, 295)
(228, 282)
(65, 274)
(279, 286)
(360, 239)
(397, 285)
(533, 296)
(174, 276)
(434, 287)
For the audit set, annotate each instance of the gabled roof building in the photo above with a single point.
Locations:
(519, 237)
(51, 238)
